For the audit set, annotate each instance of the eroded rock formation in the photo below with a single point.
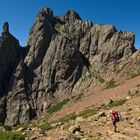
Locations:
(59, 53)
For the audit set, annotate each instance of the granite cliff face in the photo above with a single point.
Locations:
(61, 55)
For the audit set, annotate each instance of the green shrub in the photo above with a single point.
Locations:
(115, 103)
(88, 112)
(8, 135)
(58, 26)
(46, 126)
(68, 118)
(111, 84)
(57, 106)
(79, 97)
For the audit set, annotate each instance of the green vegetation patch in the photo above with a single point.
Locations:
(79, 97)
(8, 135)
(58, 106)
(68, 118)
(58, 23)
(88, 112)
(115, 103)
(111, 84)
(58, 26)
(46, 126)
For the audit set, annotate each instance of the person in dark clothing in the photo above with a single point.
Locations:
(115, 117)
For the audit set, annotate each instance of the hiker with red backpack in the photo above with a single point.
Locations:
(115, 116)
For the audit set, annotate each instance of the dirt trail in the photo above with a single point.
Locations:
(99, 98)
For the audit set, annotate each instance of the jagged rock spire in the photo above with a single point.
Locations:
(5, 32)
(6, 27)
(71, 16)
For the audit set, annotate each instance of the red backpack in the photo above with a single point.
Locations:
(116, 116)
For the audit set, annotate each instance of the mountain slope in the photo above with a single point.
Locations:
(64, 56)
(89, 117)
(97, 126)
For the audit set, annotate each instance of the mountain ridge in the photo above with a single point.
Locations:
(64, 56)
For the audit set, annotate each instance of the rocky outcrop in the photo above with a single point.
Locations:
(61, 55)
(17, 105)
(10, 53)
(111, 47)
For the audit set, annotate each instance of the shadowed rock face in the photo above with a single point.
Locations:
(59, 53)
(10, 53)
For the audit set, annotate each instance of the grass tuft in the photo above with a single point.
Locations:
(111, 84)
(46, 126)
(67, 118)
(79, 97)
(88, 112)
(8, 135)
(58, 106)
(115, 103)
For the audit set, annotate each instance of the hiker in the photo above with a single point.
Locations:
(115, 116)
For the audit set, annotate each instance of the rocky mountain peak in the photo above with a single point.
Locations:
(64, 55)
(5, 33)
(44, 13)
(71, 16)
(40, 36)
(8, 39)
(6, 27)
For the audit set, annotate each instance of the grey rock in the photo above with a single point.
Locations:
(74, 128)
(70, 16)
(132, 121)
(79, 119)
(17, 105)
(110, 101)
(40, 37)
(6, 27)
(10, 53)
(2, 110)
(63, 54)
(138, 119)
(101, 114)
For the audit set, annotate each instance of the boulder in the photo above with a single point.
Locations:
(80, 119)
(110, 101)
(74, 128)
(138, 119)
(128, 97)
(101, 114)
(132, 121)
(20, 129)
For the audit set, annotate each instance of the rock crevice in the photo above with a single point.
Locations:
(63, 53)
